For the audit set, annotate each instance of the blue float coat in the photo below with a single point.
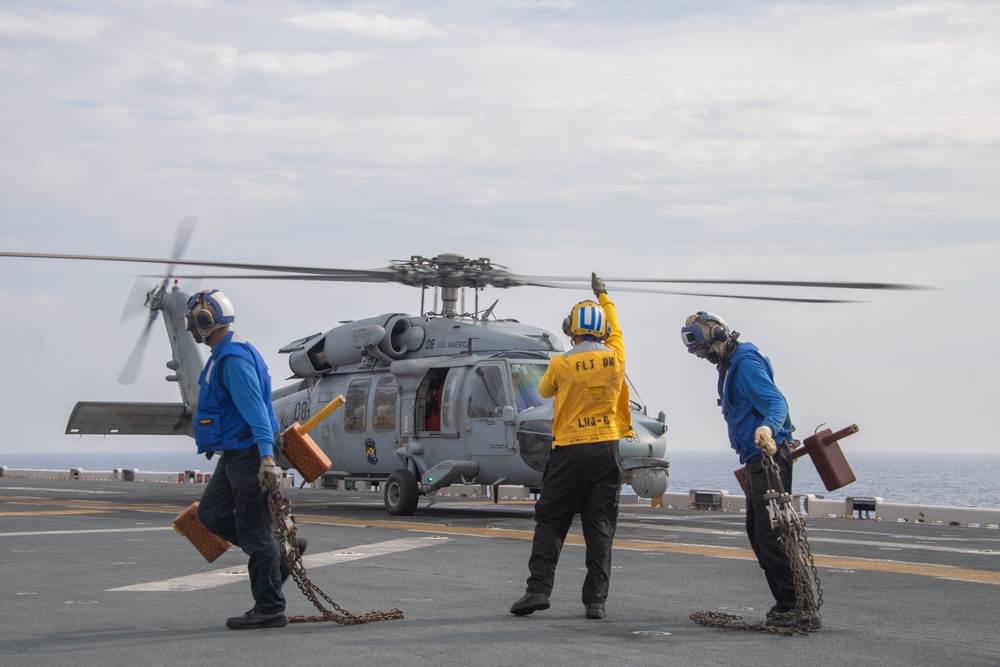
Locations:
(234, 403)
(750, 398)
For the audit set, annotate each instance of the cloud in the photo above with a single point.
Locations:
(374, 25)
(306, 65)
(824, 141)
(53, 26)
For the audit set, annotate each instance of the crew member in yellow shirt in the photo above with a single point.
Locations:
(584, 471)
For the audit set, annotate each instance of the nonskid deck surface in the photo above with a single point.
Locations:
(94, 573)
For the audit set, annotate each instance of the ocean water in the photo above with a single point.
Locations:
(964, 480)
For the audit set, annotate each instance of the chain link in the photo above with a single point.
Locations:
(286, 532)
(795, 542)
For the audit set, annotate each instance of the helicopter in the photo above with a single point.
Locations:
(431, 400)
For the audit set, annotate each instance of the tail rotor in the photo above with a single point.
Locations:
(153, 301)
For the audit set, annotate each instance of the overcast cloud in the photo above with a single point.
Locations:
(795, 141)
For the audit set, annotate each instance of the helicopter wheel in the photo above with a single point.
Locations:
(401, 493)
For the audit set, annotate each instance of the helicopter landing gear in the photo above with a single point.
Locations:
(401, 493)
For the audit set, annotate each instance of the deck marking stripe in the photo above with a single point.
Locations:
(33, 533)
(57, 512)
(238, 573)
(921, 546)
(837, 562)
(929, 570)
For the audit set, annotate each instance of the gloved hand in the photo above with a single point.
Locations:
(597, 285)
(269, 476)
(764, 440)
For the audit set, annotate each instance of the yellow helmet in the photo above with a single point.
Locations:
(587, 319)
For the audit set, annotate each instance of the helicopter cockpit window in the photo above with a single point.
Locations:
(384, 418)
(355, 417)
(525, 379)
(486, 392)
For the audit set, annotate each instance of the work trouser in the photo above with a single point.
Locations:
(234, 508)
(578, 478)
(763, 538)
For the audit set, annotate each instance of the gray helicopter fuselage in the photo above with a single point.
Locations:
(452, 395)
(448, 400)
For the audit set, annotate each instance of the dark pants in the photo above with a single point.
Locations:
(585, 478)
(764, 539)
(234, 508)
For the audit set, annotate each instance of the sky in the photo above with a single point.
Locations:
(825, 141)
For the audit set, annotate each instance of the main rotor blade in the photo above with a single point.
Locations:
(678, 293)
(372, 275)
(353, 278)
(496, 278)
(719, 281)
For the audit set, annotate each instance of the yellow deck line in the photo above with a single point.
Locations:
(875, 565)
(900, 567)
(58, 512)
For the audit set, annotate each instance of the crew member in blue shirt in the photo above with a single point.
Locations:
(234, 418)
(756, 415)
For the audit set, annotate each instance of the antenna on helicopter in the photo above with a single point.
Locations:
(489, 311)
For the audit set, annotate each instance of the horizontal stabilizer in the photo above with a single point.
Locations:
(96, 418)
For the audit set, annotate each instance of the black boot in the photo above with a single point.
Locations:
(530, 602)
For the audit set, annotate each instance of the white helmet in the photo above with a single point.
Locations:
(208, 310)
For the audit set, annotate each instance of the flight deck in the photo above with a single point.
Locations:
(95, 574)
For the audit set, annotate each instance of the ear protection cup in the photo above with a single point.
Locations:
(718, 333)
(203, 318)
(208, 310)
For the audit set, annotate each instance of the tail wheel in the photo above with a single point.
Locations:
(401, 493)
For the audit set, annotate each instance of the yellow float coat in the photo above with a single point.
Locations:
(588, 382)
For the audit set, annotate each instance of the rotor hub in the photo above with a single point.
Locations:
(450, 270)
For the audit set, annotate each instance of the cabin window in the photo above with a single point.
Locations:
(386, 391)
(525, 378)
(450, 395)
(355, 406)
(486, 392)
(430, 401)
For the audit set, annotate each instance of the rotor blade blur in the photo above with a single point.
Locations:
(130, 371)
(718, 281)
(371, 275)
(643, 290)
(136, 301)
(185, 228)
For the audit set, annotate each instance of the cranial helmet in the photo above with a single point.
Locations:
(587, 319)
(707, 336)
(208, 310)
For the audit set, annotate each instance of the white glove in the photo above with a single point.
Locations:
(597, 285)
(763, 439)
(269, 476)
